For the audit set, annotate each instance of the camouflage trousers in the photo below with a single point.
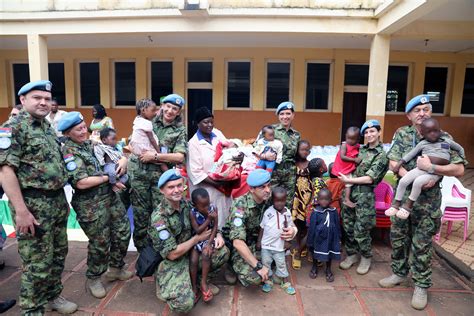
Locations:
(415, 235)
(104, 221)
(145, 197)
(174, 281)
(43, 257)
(359, 221)
(285, 175)
(245, 273)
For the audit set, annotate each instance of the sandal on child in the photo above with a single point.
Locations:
(296, 263)
(391, 211)
(329, 277)
(313, 274)
(304, 253)
(403, 213)
(288, 288)
(267, 287)
(207, 295)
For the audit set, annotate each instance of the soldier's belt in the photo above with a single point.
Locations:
(102, 190)
(37, 193)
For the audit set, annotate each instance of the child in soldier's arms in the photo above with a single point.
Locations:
(274, 219)
(268, 144)
(108, 155)
(203, 216)
(437, 148)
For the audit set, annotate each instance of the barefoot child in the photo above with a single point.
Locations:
(274, 219)
(437, 148)
(143, 137)
(203, 216)
(302, 199)
(324, 235)
(346, 159)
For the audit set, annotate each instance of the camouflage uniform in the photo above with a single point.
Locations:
(359, 221)
(244, 224)
(285, 172)
(416, 232)
(100, 212)
(172, 276)
(145, 195)
(35, 155)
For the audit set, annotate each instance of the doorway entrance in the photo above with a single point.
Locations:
(353, 112)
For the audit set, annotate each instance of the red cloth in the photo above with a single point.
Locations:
(344, 167)
(336, 187)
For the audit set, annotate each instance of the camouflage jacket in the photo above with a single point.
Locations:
(405, 139)
(30, 147)
(290, 141)
(244, 219)
(172, 136)
(374, 163)
(166, 231)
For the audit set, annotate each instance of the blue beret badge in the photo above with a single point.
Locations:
(71, 166)
(238, 222)
(164, 234)
(424, 100)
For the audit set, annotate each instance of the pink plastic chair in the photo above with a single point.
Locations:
(383, 200)
(455, 204)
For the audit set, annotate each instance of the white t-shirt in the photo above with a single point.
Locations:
(140, 142)
(273, 224)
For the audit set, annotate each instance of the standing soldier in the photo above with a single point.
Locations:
(144, 171)
(242, 228)
(33, 176)
(415, 234)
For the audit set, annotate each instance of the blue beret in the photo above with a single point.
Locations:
(42, 85)
(285, 106)
(68, 120)
(418, 100)
(169, 175)
(174, 99)
(258, 177)
(369, 124)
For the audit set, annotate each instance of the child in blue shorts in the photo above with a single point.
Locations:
(265, 145)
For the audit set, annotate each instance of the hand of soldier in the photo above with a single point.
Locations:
(423, 163)
(147, 156)
(343, 177)
(25, 222)
(119, 186)
(263, 273)
(429, 185)
(204, 235)
(219, 241)
(121, 166)
(358, 160)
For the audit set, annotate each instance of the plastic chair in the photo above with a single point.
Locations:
(383, 200)
(455, 204)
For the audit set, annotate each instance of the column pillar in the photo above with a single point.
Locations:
(37, 57)
(457, 88)
(378, 74)
(104, 73)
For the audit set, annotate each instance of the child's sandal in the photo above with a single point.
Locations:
(403, 213)
(391, 211)
(207, 295)
(313, 274)
(296, 263)
(267, 287)
(329, 277)
(288, 288)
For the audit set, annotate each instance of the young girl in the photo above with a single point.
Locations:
(324, 235)
(317, 167)
(203, 216)
(346, 159)
(143, 137)
(302, 199)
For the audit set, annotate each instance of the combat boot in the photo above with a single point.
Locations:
(348, 262)
(392, 281)
(113, 274)
(96, 288)
(364, 265)
(420, 298)
(62, 305)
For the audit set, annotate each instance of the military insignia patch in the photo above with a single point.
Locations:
(68, 158)
(71, 166)
(5, 142)
(5, 132)
(164, 234)
(239, 213)
(238, 222)
(160, 225)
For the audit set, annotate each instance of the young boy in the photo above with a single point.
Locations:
(203, 216)
(268, 144)
(274, 219)
(108, 155)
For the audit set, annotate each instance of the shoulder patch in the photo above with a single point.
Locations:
(5, 132)
(238, 222)
(239, 213)
(68, 158)
(5, 142)
(71, 166)
(159, 225)
(164, 234)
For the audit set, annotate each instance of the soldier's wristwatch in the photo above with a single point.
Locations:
(259, 266)
(432, 169)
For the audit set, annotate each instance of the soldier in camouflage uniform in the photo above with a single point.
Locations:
(359, 221)
(33, 177)
(415, 233)
(171, 234)
(285, 172)
(100, 213)
(243, 225)
(144, 171)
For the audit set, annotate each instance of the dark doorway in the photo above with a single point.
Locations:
(353, 112)
(197, 98)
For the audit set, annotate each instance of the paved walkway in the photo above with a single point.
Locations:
(350, 294)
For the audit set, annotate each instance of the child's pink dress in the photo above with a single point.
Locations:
(344, 167)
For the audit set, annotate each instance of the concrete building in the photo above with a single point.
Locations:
(339, 61)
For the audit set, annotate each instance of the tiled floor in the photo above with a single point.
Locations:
(463, 250)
